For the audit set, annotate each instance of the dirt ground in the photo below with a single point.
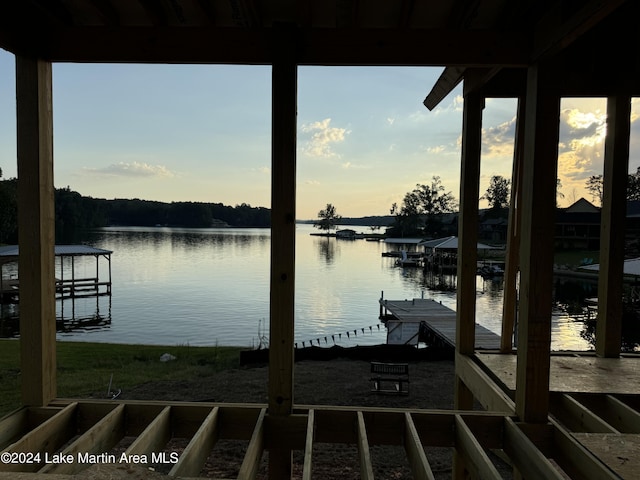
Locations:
(342, 382)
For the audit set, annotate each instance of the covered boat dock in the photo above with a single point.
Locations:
(65, 287)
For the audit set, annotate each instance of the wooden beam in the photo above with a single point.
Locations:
(46, 437)
(475, 458)
(308, 447)
(253, 455)
(420, 467)
(366, 469)
(197, 451)
(98, 439)
(12, 426)
(447, 81)
(36, 230)
(468, 237)
(575, 459)
(579, 418)
(483, 388)
(154, 437)
(528, 459)
(553, 33)
(315, 46)
(542, 121)
(283, 232)
(627, 419)
(512, 257)
(612, 227)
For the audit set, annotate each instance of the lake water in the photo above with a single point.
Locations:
(211, 287)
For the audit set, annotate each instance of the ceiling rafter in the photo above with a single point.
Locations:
(553, 34)
(155, 12)
(109, 15)
(207, 10)
(54, 9)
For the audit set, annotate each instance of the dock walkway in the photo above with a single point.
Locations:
(440, 321)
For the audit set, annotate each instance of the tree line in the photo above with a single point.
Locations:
(75, 212)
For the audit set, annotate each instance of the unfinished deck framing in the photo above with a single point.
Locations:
(85, 430)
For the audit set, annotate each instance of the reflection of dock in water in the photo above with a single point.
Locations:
(409, 319)
(72, 315)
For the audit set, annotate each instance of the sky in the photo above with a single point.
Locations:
(202, 133)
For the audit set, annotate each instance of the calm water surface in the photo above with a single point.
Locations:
(211, 286)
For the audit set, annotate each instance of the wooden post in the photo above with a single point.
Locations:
(511, 267)
(36, 230)
(542, 119)
(612, 227)
(283, 230)
(468, 237)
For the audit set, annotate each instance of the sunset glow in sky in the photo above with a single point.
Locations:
(202, 133)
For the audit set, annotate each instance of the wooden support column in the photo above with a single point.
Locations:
(36, 230)
(468, 238)
(283, 229)
(612, 227)
(511, 268)
(542, 120)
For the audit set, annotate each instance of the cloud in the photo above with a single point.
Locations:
(455, 105)
(497, 141)
(437, 149)
(581, 145)
(391, 120)
(312, 182)
(132, 170)
(323, 137)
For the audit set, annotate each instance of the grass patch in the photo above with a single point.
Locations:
(85, 369)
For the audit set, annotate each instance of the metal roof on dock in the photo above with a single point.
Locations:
(60, 251)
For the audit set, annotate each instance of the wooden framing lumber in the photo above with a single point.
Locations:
(283, 231)
(197, 451)
(473, 455)
(46, 437)
(579, 418)
(12, 426)
(468, 224)
(366, 469)
(253, 455)
(308, 446)
(512, 256)
(612, 227)
(529, 461)
(542, 119)
(575, 459)
(482, 387)
(34, 110)
(627, 419)
(418, 461)
(283, 215)
(468, 238)
(98, 439)
(154, 437)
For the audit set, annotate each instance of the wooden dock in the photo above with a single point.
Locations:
(439, 320)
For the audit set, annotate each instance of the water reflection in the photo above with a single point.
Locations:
(327, 248)
(73, 316)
